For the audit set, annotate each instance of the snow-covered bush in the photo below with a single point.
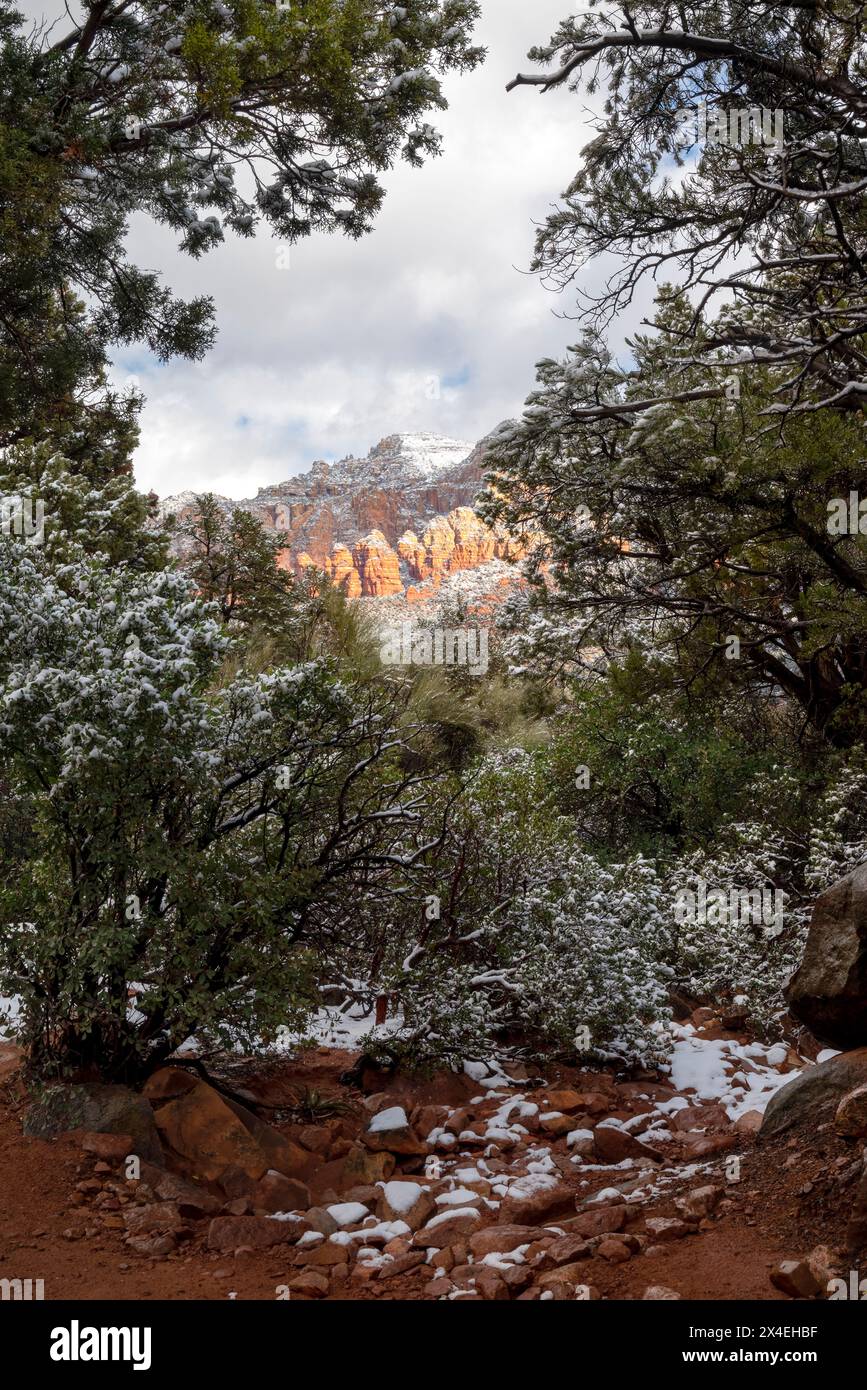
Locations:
(589, 956)
(838, 838)
(541, 945)
(184, 833)
(741, 911)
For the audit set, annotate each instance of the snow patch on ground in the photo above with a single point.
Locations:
(740, 1076)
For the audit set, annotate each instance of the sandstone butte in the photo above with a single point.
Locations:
(374, 569)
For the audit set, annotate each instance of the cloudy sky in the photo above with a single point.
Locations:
(429, 323)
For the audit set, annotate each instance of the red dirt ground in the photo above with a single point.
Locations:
(783, 1206)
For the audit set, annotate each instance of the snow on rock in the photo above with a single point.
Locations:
(460, 1195)
(443, 1216)
(382, 1231)
(348, 1213)
(392, 1118)
(428, 454)
(402, 1196)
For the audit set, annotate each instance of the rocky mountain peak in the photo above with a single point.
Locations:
(394, 523)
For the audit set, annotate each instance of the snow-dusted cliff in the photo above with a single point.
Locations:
(396, 522)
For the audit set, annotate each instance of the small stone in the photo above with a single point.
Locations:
(363, 1168)
(823, 1265)
(406, 1201)
(501, 1239)
(613, 1145)
(320, 1219)
(152, 1245)
(700, 1202)
(589, 1102)
(316, 1138)
(665, 1228)
(556, 1125)
(413, 1259)
(260, 1232)
(321, 1256)
(390, 1131)
(155, 1216)
(796, 1278)
(850, 1119)
(567, 1276)
(276, 1192)
(534, 1199)
(567, 1249)
(311, 1283)
(614, 1251)
(447, 1231)
(750, 1122)
(598, 1221)
(444, 1259)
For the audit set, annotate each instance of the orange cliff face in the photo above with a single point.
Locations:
(343, 571)
(400, 522)
(377, 566)
(373, 569)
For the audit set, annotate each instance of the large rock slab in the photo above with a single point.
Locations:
(256, 1232)
(829, 990)
(282, 1154)
(99, 1109)
(214, 1139)
(201, 1129)
(816, 1092)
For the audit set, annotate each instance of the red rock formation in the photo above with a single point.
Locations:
(439, 542)
(398, 520)
(378, 566)
(474, 542)
(372, 569)
(412, 553)
(343, 571)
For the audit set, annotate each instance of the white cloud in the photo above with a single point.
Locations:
(325, 357)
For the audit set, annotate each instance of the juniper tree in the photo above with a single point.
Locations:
(211, 117)
(777, 229)
(178, 833)
(671, 522)
(80, 474)
(233, 562)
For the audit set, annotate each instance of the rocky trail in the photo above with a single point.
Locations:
(280, 1181)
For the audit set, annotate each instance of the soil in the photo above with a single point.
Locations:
(792, 1196)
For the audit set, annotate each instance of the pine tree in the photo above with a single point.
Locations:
(211, 117)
